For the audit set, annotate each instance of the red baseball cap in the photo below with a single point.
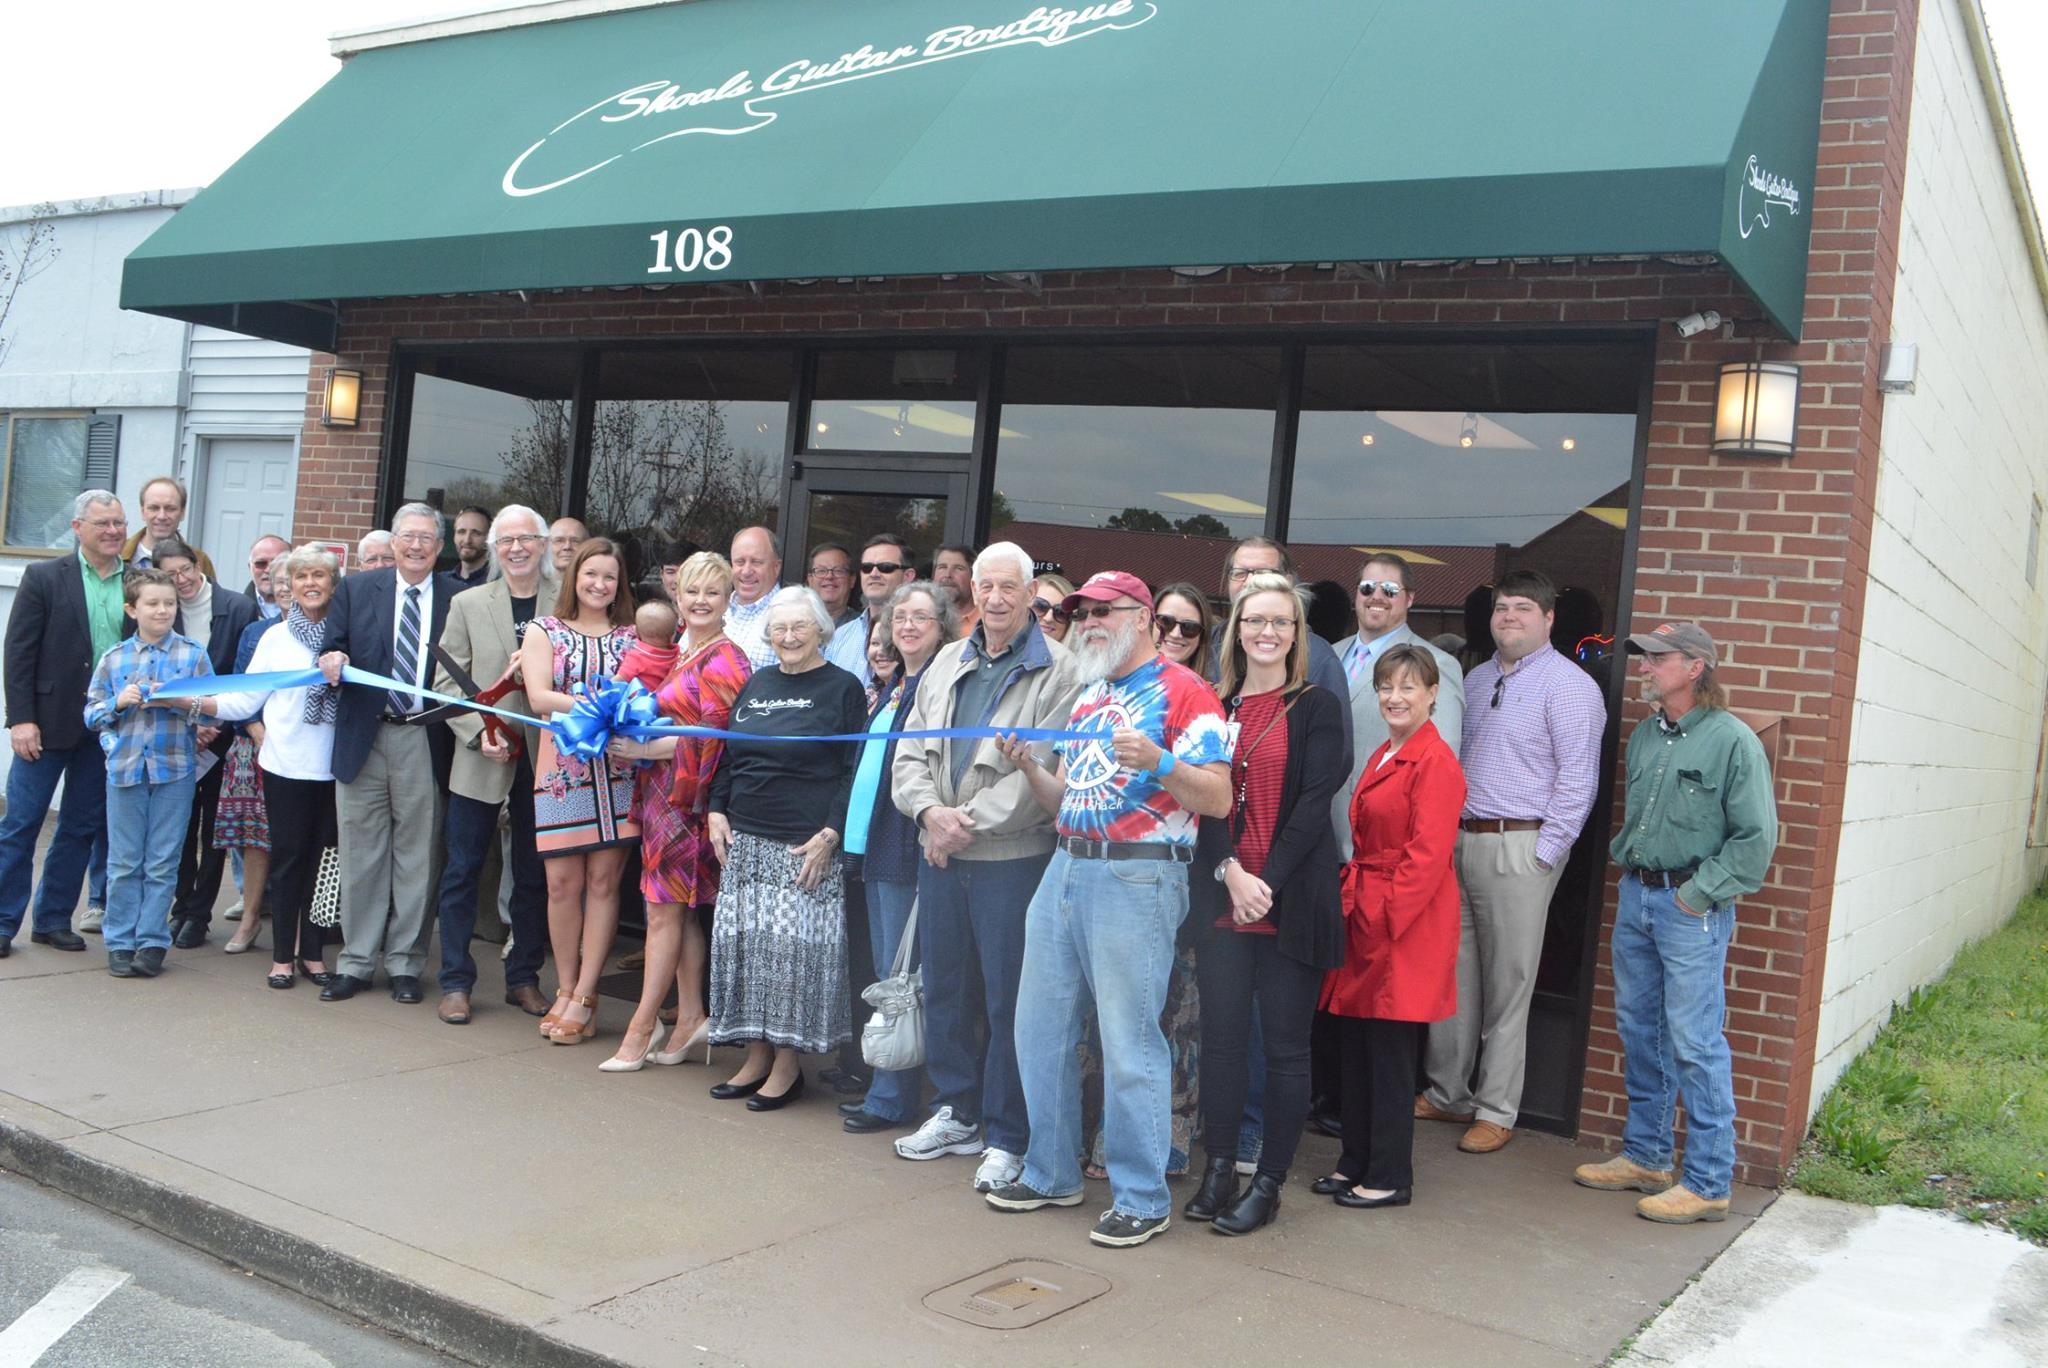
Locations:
(1107, 587)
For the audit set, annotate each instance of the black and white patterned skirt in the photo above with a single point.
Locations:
(778, 953)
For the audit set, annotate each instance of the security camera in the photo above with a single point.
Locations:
(1693, 324)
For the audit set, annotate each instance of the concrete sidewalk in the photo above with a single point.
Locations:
(498, 1198)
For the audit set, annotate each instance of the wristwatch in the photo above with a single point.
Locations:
(1167, 760)
(1224, 864)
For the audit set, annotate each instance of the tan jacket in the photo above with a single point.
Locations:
(479, 638)
(1008, 822)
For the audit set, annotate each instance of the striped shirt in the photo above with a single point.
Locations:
(1535, 751)
(144, 744)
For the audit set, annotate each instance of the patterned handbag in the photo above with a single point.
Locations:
(327, 889)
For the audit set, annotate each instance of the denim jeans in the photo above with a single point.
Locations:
(895, 1093)
(1102, 929)
(970, 925)
(30, 786)
(145, 834)
(468, 830)
(1670, 1007)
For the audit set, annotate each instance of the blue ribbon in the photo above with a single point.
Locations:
(614, 708)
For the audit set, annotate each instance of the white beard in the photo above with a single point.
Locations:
(1097, 663)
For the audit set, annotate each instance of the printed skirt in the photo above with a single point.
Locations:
(778, 953)
(240, 822)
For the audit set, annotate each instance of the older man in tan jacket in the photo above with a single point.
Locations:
(482, 636)
(986, 842)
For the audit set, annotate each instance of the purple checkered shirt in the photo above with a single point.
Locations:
(1538, 753)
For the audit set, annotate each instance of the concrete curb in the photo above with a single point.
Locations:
(386, 1300)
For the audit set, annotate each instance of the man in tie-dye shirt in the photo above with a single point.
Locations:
(1102, 925)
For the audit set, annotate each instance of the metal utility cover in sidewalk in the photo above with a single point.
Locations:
(1017, 1295)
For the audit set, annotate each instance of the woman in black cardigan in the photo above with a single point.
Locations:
(1263, 897)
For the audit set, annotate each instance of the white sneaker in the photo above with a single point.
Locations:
(998, 1167)
(234, 913)
(505, 950)
(940, 1136)
(93, 920)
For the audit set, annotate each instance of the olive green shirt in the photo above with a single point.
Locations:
(102, 605)
(1699, 798)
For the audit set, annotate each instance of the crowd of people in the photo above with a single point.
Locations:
(1257, 881)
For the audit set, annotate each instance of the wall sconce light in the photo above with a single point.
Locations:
(342, 399)
(1757, 410)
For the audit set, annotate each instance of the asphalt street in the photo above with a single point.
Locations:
(99, 1292)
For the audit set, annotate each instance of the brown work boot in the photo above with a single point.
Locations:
(1621, 1174)
(455, 1008)
(1425, 1110)
(527, 999)
(1680, 1205)
(1485, 1137)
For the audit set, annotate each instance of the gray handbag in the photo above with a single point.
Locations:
(894, 1035)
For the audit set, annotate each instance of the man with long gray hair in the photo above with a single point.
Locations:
(389, 772)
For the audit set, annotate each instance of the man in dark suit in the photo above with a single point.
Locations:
(67, 613)
(389, 773)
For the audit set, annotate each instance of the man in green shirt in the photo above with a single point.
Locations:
(1699, 832)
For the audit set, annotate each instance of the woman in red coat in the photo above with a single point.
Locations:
(1400, 932)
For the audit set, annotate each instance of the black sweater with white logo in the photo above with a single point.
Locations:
(782, 790)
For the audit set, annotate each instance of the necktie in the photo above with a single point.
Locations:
(1360, 656)
(406, 666)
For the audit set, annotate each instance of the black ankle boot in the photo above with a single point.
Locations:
(1259, 1205)
(1219, 1186)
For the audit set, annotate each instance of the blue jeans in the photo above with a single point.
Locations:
(894, 1093)
(468, 832)
(970, 922)
(1102, 929)
(1669, 1008)
(145, 835)
(30, 786)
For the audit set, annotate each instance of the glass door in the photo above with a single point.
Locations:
(831, 502)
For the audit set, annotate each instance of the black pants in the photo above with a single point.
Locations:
(301, 813)
(1233, 969)
(200, 866)
(1378, 1076)
(860, 963)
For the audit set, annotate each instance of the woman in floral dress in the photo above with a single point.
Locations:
(582, 813)
(678, 875)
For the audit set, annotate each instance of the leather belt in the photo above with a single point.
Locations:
(1126, 850)
(1500, 824)
(1663, 878)
(394, 719)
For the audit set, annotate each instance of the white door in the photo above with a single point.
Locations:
(248, 489)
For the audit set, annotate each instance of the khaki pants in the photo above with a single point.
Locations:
(390, 824)
(1503, 905)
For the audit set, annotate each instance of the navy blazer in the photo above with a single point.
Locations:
(50, 659)
(361, 625)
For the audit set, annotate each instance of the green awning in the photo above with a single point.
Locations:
(774, 139)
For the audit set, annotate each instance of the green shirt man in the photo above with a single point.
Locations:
(102, 604)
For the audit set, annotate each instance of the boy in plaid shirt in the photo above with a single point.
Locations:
(151, 770)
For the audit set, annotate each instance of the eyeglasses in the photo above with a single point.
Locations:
(264, 564)
(881, 567)
(1255, 626)
(106, 524)
(1103, 610)
(1047, 608)
(1385, 588)
(913, 619)
(830, 571)
(519, 539)
(791, 629)
(1173, 626)
(1499, 682)
(416, 538)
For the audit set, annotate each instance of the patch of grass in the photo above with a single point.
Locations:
(1948, 1107)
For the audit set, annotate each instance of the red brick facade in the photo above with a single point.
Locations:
(1770, 553)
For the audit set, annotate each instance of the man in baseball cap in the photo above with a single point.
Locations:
(1107, 587)
(1699, 831)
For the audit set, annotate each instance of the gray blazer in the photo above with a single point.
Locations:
(1369, 729)
(479, 638)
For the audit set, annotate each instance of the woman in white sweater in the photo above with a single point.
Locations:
(296, 754)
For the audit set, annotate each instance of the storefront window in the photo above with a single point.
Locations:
(1153, 460)
(687, 445)
(44, 474)
(491, 429)
(907, 400)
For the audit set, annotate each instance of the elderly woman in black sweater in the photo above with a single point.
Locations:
(778, 936)
(1263, 896)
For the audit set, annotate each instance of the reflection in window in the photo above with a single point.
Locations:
(1173, 444)
(911, 400)
(686, 445)
(45, 473)
(490, 431)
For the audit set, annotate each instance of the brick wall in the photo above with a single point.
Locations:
(1769, 553)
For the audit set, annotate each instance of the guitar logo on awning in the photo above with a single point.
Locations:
(741, 104)
(1758, 194)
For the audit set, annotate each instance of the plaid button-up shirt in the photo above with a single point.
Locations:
(144, 744)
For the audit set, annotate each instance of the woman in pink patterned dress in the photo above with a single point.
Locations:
(582, 813)
(679, 876)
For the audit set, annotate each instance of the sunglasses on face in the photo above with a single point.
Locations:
(1169, 625)
(881, 567)
(1103, 610)
(1046, 608)
(1384, 588)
